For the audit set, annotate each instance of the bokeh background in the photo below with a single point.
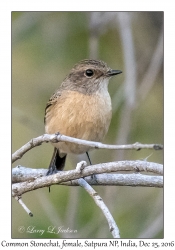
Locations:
(45, 46)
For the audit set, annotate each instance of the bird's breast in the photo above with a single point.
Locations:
(81, 116)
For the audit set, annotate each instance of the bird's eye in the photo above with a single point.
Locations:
(89, 72)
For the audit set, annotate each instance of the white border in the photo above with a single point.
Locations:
(5, 91)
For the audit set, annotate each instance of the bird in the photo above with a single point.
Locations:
(80, 108)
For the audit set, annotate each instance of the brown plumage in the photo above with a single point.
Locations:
(80, 108)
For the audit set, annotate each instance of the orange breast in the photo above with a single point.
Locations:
(81, 116)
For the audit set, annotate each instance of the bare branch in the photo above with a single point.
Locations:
(18, 198)
(98, 200)
(45, 181)
(134, 180)
(58, 137)
(21, 174)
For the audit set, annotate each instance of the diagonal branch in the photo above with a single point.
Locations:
(19, 199)
(98, 200)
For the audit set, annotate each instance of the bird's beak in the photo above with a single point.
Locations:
(113, 72)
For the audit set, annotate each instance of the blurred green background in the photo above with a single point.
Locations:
(45, 46)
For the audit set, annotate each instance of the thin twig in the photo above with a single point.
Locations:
(19, 199)
(58, 137)
(98, 200)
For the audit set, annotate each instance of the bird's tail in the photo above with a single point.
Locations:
(57, 163)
